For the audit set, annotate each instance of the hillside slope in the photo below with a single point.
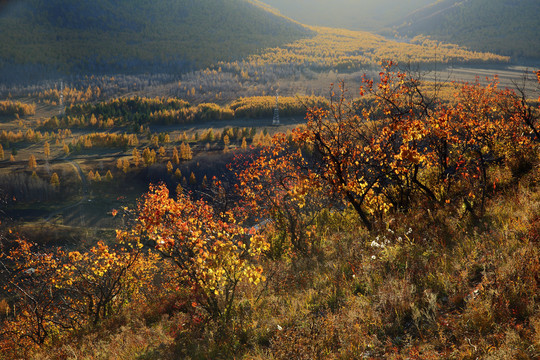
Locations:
(508, 27)
(349, 14)
(40, 37)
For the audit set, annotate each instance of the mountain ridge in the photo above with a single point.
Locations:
(501, 26)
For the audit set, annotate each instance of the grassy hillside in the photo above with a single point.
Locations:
(72, 37)
(502, 26)
(349, 14)
(396, 226)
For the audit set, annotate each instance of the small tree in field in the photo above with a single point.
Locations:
(175, 157)
(32, 163)
(136, 157)
(55, 180)
(178, 174)
(47, 150)
(125, 166)
(192, 179)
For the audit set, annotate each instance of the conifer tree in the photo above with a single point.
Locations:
(162, 151)
(125, 166)
(136, 157)
(179, 189)
(204, 182)
(55, 180)
(178, 174)
(108, 175)
(32, 163)
(169, 167)
(175, 158)
(192, 179)
(155, 141)
(47, 149)
(185, 152)
(1, 152)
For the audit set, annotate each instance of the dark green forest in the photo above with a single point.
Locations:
(60, 37)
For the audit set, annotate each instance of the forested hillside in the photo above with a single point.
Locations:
(506, 27)
(39, 37)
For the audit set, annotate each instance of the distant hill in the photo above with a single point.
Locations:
(40, 38)
(508, 27)
(349, 14)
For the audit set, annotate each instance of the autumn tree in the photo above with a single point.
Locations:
(192, 179)
(1, 152)
(161, 152)
(211, 252)
(178, 174)
(46, 149)
(27, 272)
(136, 157)
(32, 163)
(55, 292)
(204, 183)
(55, 180)
(149, 156)
(185, 152)
(175, 157)
(98, 282)
(279, 191)
(341, 143)
(125, 166)
(401, 147)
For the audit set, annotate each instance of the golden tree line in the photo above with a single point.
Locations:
(16, 108)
